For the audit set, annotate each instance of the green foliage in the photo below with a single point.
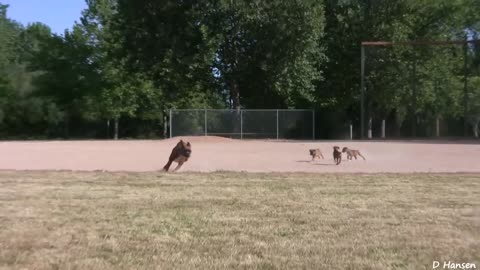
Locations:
(256, 51)
(390, 76)
(136, 59)
(268, 52)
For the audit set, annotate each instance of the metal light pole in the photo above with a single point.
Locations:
(277, 124)
(362, 93)
(241, 124)
(313, 124)
(465, 89)
(170, 123)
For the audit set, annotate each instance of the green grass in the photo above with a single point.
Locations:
(64, 220)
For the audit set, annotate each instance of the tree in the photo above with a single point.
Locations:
(266, 56)
(392, 88)
(254, 48)
(474, 108)
(123, 93)
(163, 42)
(67, 74)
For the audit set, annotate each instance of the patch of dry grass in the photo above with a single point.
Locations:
(64, 220)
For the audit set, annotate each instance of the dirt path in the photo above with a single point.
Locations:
(213, 153)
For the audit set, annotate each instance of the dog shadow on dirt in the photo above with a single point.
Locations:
(316, 163)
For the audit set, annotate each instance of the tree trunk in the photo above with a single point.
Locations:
(67, 127)
(235, 105)
(475, 129)
(115, 137)
(235, 95)
(398, 124)
(108, 129)
(165, 126)
(383, 129)
(370, 127)
(414, 100)
(437, 127)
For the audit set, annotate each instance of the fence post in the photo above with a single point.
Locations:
(313, 124)
(362, 92)
(370, 128)
(383, 129)
(351, 132)
(241, 124)
(277, 124)
(170, 124)
(206, 131)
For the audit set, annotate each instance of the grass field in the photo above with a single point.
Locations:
(66, 220)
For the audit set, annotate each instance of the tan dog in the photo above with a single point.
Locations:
(352, 153)
(180, 154)
(337, 155)
(316, 153)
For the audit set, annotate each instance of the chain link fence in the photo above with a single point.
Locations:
(244, 124)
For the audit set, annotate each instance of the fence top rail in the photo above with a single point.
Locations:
(234, 110)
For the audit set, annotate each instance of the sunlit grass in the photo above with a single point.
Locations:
(63, 220)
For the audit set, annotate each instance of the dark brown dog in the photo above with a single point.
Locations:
(316, 153)
(352, 153)
(180, 154)
(337, 155)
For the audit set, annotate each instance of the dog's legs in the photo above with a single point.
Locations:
(322, 156)
(178, 166)
(338, 160)
(167, 166)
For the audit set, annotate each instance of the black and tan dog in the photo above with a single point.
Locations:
(180, 154)
(337, 155)
(352, 153)
(316, 153)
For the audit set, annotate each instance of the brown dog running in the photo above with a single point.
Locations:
(352, 153)
(337, 155)
(180, 154)
(316, 153)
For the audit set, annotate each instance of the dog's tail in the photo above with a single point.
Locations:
(361, 156)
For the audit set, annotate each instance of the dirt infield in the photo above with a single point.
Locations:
(214, 153)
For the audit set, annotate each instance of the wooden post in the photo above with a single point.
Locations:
(108, 129)
(115, 137)
(370, 128)
(383, 129)
(437, 133)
